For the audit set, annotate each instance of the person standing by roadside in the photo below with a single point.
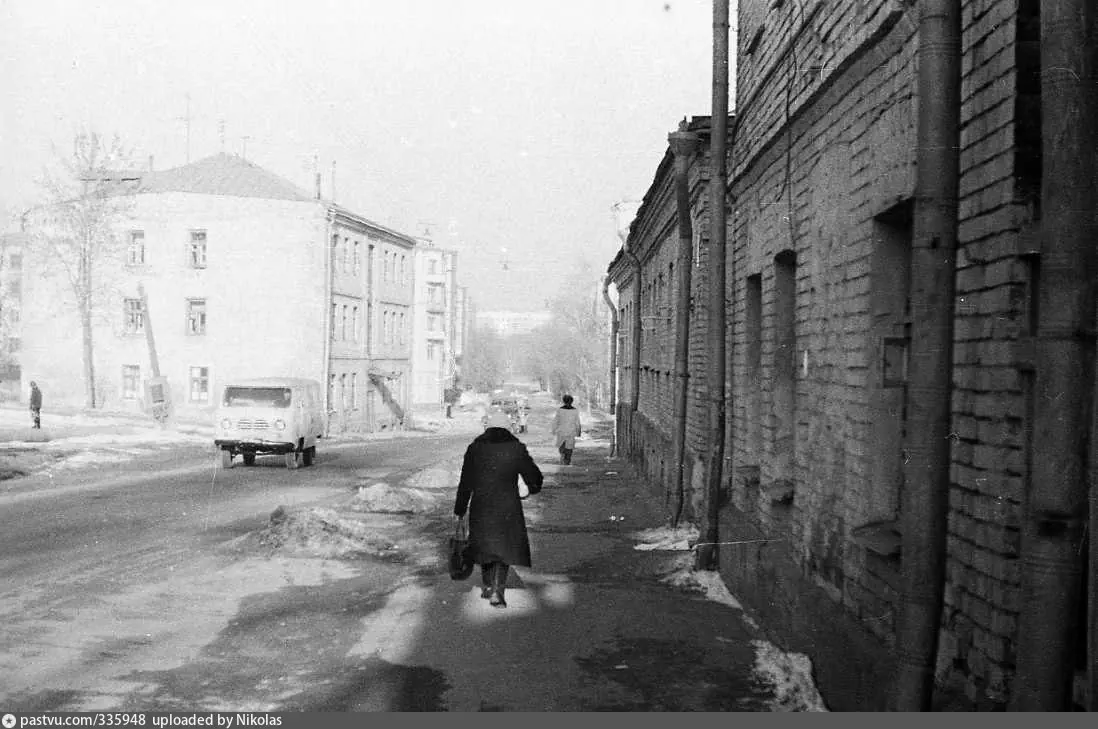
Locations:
(489, 491)
(566, 428)
(36, 405)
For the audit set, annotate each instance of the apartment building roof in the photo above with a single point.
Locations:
(223, 174)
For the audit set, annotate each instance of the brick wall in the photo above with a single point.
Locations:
(647, 436)
(821, 178)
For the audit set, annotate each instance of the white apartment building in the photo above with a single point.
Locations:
(438, 338)
(245, 275)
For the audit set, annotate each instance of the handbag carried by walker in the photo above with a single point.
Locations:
(461, 564)
(524, 490)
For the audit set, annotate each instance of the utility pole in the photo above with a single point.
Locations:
(157, 392)
(708, 552)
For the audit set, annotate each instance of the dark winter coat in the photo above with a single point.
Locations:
(488, 490)
(35, 399)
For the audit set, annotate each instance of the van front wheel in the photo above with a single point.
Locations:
(308, 456)
(226, 458)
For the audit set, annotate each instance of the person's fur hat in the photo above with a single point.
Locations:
(498, 420)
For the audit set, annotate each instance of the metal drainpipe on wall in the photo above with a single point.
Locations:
(327, 314)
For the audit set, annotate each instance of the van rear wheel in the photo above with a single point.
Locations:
(226, 458)
(249, 459)
(308, 456)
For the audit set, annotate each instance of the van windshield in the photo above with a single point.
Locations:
(257, 397)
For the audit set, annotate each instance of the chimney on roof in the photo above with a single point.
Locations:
(317, 185)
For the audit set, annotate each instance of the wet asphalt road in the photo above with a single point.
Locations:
(119, 594)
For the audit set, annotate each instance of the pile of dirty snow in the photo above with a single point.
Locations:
(382, 498)
(789, 675)
(323, 532)
(666, 539)
(435, 478)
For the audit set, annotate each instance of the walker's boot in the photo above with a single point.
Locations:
(567, 457)
(499, 581)
(486, 571)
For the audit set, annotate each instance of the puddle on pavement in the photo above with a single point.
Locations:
(668, 675)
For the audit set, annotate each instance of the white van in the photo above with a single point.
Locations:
(282, 415)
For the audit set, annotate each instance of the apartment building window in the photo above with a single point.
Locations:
(401, 329)
(432, 267)
(343, 391)
(357, 259)
(346, 255)
(354, 323)
(131, 382)
(196, 316)
(197, 251)
(343, 324)
(354, 391)
(200, 384)
(331, 392)
(135, 253)
(333, 321)
(133, 316)
(385, 267)
(432, 351)
(434, 322)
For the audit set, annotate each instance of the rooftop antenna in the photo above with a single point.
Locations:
(333, 180)
(316, 174)
(221, 133)
(187, 125)
(244, 138)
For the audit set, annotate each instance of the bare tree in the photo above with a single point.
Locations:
(485, 365)
(75, 232)
(570, 351)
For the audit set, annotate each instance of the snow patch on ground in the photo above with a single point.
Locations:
(435, 478)
(381, 497)
(89, 458)
(668, 539)
(704, 582)
(790, 677)
(323, 532)
(150, 437)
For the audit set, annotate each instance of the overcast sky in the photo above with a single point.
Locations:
(503, 125)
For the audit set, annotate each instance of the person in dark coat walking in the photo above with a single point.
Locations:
(36, 406)
(489, 491)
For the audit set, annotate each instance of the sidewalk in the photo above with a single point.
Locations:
(609, 617)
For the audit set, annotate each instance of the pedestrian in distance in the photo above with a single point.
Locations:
(489, 492)
(566, 428)
(35, 406)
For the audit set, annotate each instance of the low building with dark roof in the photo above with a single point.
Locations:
(245, 275)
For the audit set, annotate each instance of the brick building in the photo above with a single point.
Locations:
(246, 275)
(821, 186)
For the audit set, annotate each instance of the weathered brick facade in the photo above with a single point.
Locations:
(819, 236)
(648, 433)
